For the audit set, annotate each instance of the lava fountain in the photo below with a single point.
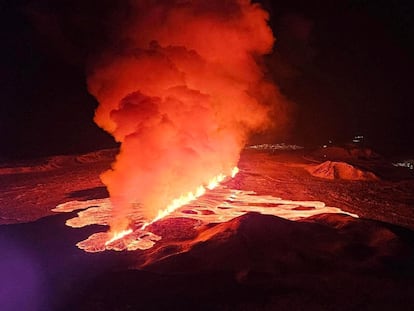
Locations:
(181, 88)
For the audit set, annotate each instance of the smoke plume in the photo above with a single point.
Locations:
(182, 90)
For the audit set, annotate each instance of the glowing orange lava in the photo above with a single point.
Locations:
(234, 171)
(175, 204)
(118, 235)
(206, 206)
(190, 196)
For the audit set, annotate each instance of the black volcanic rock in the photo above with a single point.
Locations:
(269, 244)
(260, 262)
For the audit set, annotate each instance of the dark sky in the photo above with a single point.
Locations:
(346, 64)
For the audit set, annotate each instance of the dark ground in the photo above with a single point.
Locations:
(254, 262)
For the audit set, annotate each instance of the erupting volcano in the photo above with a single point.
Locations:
(206, 155)
(182, 89)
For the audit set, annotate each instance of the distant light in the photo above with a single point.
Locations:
(407, 163)
(281, 146)
(358, 138)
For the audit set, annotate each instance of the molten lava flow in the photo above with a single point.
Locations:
(234, 171)
(214, 182)
(190, 196)
(118, 235)
(181, 88)
(175, 204)
(216, 206)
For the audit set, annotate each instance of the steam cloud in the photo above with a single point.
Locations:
(182, 94)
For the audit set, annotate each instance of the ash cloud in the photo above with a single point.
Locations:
(182, 90)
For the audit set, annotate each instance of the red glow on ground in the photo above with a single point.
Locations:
(215, 206)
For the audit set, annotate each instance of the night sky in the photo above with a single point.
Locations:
(346, 65)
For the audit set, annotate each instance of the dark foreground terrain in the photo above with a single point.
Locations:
(253, 262)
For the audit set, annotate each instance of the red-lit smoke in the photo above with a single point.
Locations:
(181, 92)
